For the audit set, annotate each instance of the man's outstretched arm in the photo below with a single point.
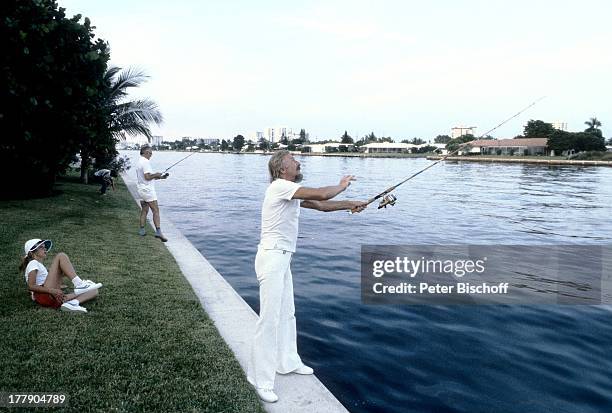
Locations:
(329, 206)
(324, 193)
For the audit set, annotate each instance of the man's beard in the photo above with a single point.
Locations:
(298, 178)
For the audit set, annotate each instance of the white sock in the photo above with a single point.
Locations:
(74, 301)
(76, 281)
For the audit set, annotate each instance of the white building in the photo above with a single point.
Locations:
(560, 125)
(388, 147)
(275, 134)
(328, 147)
(315, 147)
(440, 147)
(156, 140)
(459, 131)
(270, 135)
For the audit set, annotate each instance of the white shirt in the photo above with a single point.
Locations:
(103, 172)
(279, 216)
(41, 275)
(143, 167)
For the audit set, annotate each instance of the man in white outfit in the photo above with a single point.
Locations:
(274, 345)
(146, 191)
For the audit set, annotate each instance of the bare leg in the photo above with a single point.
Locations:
(155, 208)
(60, 266)
(89, 295)
(143, 213)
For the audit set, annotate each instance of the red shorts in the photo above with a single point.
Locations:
(47, 300)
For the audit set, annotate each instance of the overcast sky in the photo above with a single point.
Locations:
(399, 68)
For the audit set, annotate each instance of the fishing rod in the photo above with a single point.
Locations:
(176, 163)
(390, 199)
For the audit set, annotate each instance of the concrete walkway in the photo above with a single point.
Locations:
(235, 321)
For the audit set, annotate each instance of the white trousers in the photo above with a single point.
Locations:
(274, 345)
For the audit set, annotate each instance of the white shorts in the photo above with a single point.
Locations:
(147, 193)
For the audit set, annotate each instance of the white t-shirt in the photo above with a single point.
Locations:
(105, 173)
(279, 216)
(143, 167)
(41, 275)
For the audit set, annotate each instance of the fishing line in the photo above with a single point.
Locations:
(176, 163)
(390, 199)
(544, 231)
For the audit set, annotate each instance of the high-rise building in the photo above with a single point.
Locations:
(275, 134)
(156, 140)
(459, 131)
(270, 134)
(560, 125)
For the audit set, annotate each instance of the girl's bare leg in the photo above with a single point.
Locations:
(89, 295)
(60, 266)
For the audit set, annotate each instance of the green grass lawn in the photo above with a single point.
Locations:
(145, 345)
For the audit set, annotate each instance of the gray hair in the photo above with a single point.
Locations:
(144, 148)
(276, 164)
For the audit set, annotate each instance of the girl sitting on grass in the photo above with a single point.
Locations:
(45, 286)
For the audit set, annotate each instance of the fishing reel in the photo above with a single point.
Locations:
(387, 200)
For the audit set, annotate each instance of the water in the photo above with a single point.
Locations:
(417, 358)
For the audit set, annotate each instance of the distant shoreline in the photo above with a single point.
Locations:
(541, 160)
(330, 154)
(519, 159)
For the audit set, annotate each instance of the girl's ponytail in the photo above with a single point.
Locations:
(25, 261)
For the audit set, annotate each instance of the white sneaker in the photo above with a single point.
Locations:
(73, 308)
(267, 395)
(303, 370)
(86, 285)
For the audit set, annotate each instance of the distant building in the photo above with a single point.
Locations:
(315, 148)
(388, 147)
(560, 125)
(270, 135)
(157, 140)
(441, 147)
(328, 147)
(459, 131)
(525, 146)
(209, 141)
(275, 134)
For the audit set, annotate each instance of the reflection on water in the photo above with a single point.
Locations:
(408, 358)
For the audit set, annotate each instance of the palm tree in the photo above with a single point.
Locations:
(592, 124)
(122, 116)
(131, 117)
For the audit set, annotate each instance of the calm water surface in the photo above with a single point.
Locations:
(416, 358)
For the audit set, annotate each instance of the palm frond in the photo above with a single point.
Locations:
(125, 79)
(131, 118)
(145, 110)
(110, 74)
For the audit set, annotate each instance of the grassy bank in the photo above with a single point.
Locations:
(145, 345)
